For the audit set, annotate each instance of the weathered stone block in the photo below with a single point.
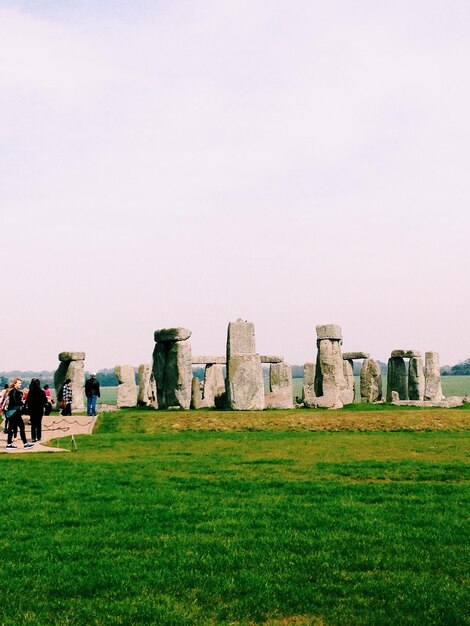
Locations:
(280, 395)
(127, 389)
(240, 338)
(209, 360)
(196, 395)
(75, 370)
(405, 354)
(271, 358)
(432, 377)
(371, 381)
(397, 378)
(245, 384)
(308, 386)
(172, 369)
(172, 334)
(329, 331)
(415, 379)
(214, 386)
(347, 394)
(71, 356)
(329, 379)
(348, 356)
(147, 393)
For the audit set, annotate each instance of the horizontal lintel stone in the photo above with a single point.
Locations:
(172, 334)
(329, 331)
(71, 356)
(271, 358)
(208, 360)
(347, 356)
(405, 354)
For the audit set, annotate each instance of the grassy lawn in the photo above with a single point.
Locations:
(159, 521)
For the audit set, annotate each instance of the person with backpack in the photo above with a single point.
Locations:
(14, 414)
(36, 403)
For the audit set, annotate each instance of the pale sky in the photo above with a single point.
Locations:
(187, 163)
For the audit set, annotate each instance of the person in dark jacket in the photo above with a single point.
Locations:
(92, 392)
(36, 402)
(14, 412)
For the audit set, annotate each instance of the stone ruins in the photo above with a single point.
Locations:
(127, 389)
(72, 365)
(236, 380)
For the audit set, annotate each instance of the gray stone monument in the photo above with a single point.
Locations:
(280, 395)
(415, 378)
(432, 378)
(72, 366)
(371, 381)
(172, 367)
(147, 394)
(244, 382)
(330, 384)
(127, 389)
(397, 378)
(308, 385)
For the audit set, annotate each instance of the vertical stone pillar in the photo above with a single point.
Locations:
(72, 366)
(330, 384)
(349, 392)
(127, 389)
(415, 378)
(196, 395)
(214, 386)
(308, 385)
(432, 377)
(245, 383)
(280, 394)
(147, 394)
(371, 381)
(397, 378)
(172, 367)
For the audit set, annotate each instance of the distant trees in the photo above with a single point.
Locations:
(461, 369)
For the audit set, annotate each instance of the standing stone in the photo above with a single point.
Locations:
(147, 395)
(397, 378)
(214, 386)
(196, 395)
(245, 383)
(172, 367)
(72, 366)
(280, 395)
(432, 377)
(371, 381)
(308, 385)
(347, 396)
(127, 389)
(415, 378)
(330, 382)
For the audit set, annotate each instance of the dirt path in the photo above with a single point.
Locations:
(53, 426)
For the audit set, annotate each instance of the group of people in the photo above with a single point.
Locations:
(37, 402)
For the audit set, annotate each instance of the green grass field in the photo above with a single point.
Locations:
(149, 523)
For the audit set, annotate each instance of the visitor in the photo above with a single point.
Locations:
(2, 410)
(66, 393)
(36, 403)
(14, 414)
(50, 401)
(92, 392)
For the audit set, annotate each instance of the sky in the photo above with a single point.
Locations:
(188, 163)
